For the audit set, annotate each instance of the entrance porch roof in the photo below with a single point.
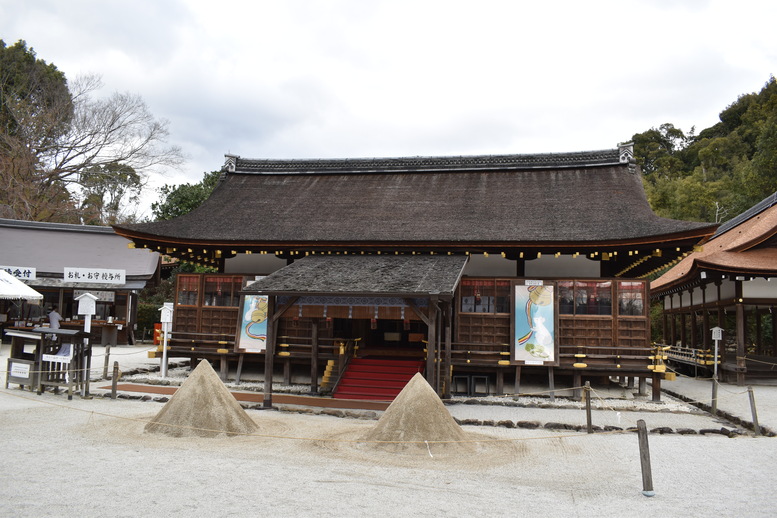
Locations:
(372, 275)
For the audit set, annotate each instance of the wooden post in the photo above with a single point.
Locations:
(269, 353)
(114, 379)
(774, 330)
(431, 344)
(643, 386)
(656, 387)
(517, 388)
(552, 385)
(577, 379)
(314, 357)
(740, 344)
(588, 407)
(107, 358)
(644, 457)
(448, 346)
(756, 426)
(714, 394)
(239, 371)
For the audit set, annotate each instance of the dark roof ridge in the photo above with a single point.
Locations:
(753, 211)
(597, 158)
(45, 225)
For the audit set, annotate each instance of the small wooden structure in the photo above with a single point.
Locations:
(553, 248)
(59, 358)
(729, 282)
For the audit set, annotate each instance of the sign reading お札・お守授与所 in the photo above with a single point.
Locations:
(94, 275)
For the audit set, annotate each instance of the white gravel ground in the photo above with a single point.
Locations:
(90, 457)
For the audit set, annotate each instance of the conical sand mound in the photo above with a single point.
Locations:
(415, 416)
(202, 407)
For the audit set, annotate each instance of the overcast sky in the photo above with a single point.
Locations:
(361, 78)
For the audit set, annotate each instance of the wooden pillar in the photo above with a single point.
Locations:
(774, 331)
(269, 352)
(431, 344)
(500, 382)
(287, 371)
(664, 323)
(740, 344)
(314, 357)
(705, 320)
(577, 382)
(447, 365)
(517, 388)
(683, 329)
(692, 320)
(759, 336)
(656, 387)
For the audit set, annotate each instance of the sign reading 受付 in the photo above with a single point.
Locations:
(24, 273)
(95, 275)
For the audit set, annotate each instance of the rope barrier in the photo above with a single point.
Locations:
(492, 440)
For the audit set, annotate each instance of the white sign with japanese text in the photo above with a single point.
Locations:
(102, 296)
(20, 370)
(24, 273)
(95, 275)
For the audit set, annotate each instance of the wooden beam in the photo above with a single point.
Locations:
(418, 312)
(278, 314)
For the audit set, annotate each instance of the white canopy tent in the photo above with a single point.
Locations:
(12, 288)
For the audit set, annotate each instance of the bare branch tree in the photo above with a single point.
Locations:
(47, 148)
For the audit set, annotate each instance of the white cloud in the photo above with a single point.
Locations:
(394, 78)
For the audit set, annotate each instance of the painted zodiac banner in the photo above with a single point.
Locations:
(535, 322)
(253, 328)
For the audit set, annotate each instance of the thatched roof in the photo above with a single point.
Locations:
(366, 275)
(584, 198)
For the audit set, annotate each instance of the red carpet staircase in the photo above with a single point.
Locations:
(381, 380)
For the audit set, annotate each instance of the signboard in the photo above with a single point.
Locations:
(24, 273)
(95, 275)
(534, 324)
(86, 304)
(717, 333)
(102, 296)
(253, 325)
(20, 370)
(167, 313)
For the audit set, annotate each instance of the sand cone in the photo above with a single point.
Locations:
(202, 407)
(416, 415)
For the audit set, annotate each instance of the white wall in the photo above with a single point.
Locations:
(562, 266)
(759, 289)
(259, 264)
(491, 266)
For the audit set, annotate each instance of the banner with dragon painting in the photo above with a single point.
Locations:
(253, 326)
(534, 329)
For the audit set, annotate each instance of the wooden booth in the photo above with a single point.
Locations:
(62, 262)
(355, 259)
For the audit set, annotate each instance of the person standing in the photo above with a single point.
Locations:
(54, 318)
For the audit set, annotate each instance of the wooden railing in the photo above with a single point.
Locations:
(691, 356)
